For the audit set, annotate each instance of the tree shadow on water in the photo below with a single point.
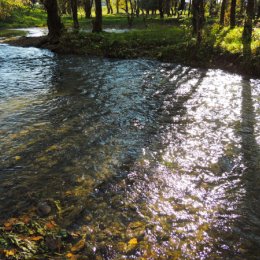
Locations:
(250, 152)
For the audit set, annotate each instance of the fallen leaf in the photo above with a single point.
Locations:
(132, 242)
(50, 225)
(17, 158)
(9, 252)
(78, 246)
(25, 219)
(72, 256)
(9, 224)
(36, 238)
(52, 148)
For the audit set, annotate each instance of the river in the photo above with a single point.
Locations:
(133, 149)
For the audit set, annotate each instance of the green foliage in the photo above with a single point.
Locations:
(230, 40)
(24, 16)
(7, 7)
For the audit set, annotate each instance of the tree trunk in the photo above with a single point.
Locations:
(53, 20)
(62, 7)
(74, 9)
(222, 12)
(168, 7)
(97, 23)
(248, 29)
(198, 18)
(68, 7)
(109, 7)
(87, 8)
(242, 7)
(137, 8)
(233, 13)
(257, 8)
(117, 6)
(161, 8)
(189, 10)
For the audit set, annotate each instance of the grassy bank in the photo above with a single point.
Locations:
(221, 47)
(11, 33)
(167, 40)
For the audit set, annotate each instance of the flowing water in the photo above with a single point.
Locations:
(155, 160)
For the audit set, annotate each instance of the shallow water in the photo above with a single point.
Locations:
(42, 31)
(159, 152)
(34, 31)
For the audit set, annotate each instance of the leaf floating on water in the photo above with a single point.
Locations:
(78, 246)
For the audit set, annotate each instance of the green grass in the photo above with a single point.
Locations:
(25, 17)
(230, 40)
(168, 39)
(11, 33)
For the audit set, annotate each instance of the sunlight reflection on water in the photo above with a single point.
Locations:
(149, 150)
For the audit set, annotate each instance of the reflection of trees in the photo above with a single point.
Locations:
(250, 151)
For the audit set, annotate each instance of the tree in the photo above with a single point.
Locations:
(248, 29)
(258, 9)
(222, 12)
(233, 13)
(97, 22)
(74, 9)
(109, 7)
(198, 18)
(160, 7)
(87, 8)
(53, 20)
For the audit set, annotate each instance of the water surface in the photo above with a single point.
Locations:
(159, 152)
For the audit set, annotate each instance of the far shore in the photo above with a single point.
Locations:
(98, 45)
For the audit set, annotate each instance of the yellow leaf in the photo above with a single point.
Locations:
(71, 256)
(78, 246)
(17, 158)
(36, 238)
(132, 242)
(9, 252)
(52, 148)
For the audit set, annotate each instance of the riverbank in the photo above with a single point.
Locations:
(221, 49)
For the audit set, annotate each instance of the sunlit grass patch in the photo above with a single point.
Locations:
(25, 17)
(11, 33)
(230, 40)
